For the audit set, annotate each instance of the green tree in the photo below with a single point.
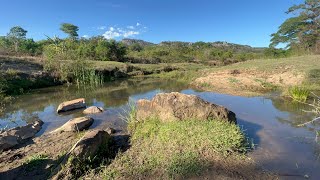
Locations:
(70, 29)
(302, 29)
(16, 35)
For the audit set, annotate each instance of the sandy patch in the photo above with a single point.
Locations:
(247, 82)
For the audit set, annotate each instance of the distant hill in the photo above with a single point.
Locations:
(130, 42)
(218, 44)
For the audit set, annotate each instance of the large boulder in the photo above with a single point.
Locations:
(93, 110)
(19, 135)
(76, 124)
(176, 106)
(90, 147)
(90, 143)
(71, 105)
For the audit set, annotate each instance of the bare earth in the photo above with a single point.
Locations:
(247, 82)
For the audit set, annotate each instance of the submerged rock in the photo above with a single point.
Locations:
(76, 124)
(177, 106)
(93, 110)
(18, 135)
(71, 105)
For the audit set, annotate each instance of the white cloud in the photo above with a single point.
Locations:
(102, 28)
(85, 36)
(118, 32)
(131, 33)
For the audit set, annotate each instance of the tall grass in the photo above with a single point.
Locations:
(299, 93)
(87, 76)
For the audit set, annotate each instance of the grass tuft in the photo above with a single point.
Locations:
(298, 93)
(35, 161)
(175, 149)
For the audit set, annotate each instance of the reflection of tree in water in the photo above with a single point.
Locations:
(296, 112)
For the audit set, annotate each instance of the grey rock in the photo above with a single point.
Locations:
(177, 106)
(93, 110)
(71, 105)
(76, 124)
(19, 135)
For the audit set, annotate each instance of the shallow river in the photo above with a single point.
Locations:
(270, 121)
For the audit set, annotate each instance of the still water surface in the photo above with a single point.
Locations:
(269, 121)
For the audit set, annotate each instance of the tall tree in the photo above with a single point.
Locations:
(16, 35)
(303, 29)
(70, 29)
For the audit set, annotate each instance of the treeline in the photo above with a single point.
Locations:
(99, 48)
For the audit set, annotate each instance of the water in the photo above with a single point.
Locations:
(270, 121)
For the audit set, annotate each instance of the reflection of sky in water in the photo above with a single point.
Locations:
(268, 120)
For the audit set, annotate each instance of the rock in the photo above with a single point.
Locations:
(176, 106)
(110, 130)
(76, 124)
(71, 105)
(90, 143)
(89, 147)
(19, 135)
(93, 110)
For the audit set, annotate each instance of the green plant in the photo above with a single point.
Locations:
(233, 80)
(35, 160)
(299, 93)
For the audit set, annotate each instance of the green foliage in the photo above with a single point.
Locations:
(301, 30)
(70, 29)
(169, 52)
(17, 32)
(276, 53)
(298, 93)
(175, 149)
(34, 161)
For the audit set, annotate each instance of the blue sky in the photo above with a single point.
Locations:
(239, 21)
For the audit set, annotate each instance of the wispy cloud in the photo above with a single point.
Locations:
(85, 36)
(118, 32)
(101, 27)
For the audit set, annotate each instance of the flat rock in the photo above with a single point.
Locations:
(19, 135)
(71, 105)
(177, 106)
(93, 110)
(76, 124)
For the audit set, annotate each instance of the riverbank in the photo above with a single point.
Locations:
(259, 76)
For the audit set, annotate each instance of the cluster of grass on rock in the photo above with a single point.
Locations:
(175, 149)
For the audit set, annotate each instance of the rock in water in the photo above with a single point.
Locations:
(19, 135)
(93, 110)
(177, 106)
(76, 124)
(71, 105)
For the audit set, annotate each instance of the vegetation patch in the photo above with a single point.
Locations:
(35, 161)
(299, 93)
(175, 149)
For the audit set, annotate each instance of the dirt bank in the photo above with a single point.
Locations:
(247, 82)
